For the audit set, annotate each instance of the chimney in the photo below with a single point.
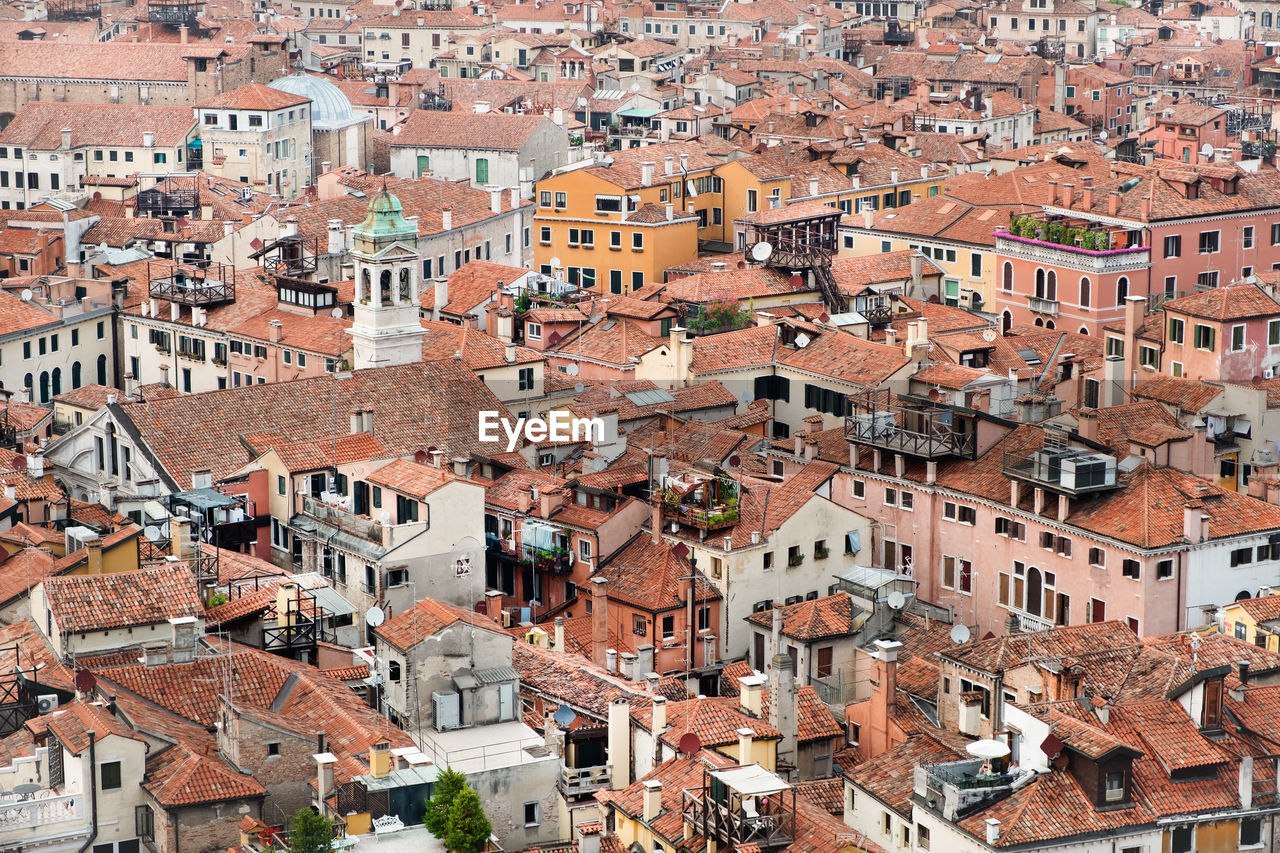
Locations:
(671, 211)
(745, 738)
(793, 105)
(66, 138)
(461, 467)
(446, 218)
(993, 830)
(619, 743)
(668, 165)
(1192, 525)
(782, 703)
(751, 694)
(493, 605)
(813, 187)
(148, 139)
(1113, 381)
(366, 421)
(893, 175)
(495, 199)
(1068, 195)
(180, 544)
(611, 661)
(917, 275)
(1246, 782)
(646, 173)
(886, 653)
(324, 772)
(1243, 667)
(684, 162)
(659, 719)
(357, 421)
(1113, 203)
(655, 521)
(380, 759)
(93, 549)
(599, 622)
(559, 635)
(335, 245)
(589, 836)
(1146, 210)
(183, 34)
(35, 465)
(652, 799)
(277, 331)
(1087, 194)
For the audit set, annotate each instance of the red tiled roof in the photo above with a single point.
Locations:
(180, 777)
(425, 619)
(253, 96)
(122, 599)
(829, 616)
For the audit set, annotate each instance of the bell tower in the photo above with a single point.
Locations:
(386, 329)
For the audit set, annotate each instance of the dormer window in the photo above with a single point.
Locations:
(1116, 786)
(1211, 714)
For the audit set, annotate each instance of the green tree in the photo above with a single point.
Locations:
(444, 791)
(468, 829)
(310, 832)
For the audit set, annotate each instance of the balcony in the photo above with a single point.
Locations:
(706, 504)
(741, 806)
(1055, 466)
(54, 816)
(1037, 305)
(910, 425)
(1095, 261)
(193, 287)
(554, 560)
(957, 789)
(580, 782)
(329, 511)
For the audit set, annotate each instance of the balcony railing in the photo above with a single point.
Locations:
(578, 782)
(193, 290)
(769, 826)
(364, 528)
(41, 811)
(1043, 306)
(921, 429)
(712, 518)
(1073, 257)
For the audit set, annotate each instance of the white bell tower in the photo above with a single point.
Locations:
(386, 329)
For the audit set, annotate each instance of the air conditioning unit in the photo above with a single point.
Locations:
(1268, 373)
(46, 703)
(1088, 471)
(506, 619)
(870, 426)
(445, 711)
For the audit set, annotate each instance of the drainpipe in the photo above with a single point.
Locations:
(93, 792)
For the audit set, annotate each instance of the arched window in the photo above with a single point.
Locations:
(102, 370)
(1040, 322)
(1049, 324)
(75, 375)
(1122, 290)
(1266, 20)
(1039, 283)
(1085, 295)
(56, 385)
(28, 382)
(405, 290)
(1051, 286)
(1006, 321)
(384, 288)
(364, 287)
(1035, 591)
(1084, 331)
(44, 387)
(1007, 281)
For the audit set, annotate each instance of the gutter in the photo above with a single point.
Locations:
(93, 792)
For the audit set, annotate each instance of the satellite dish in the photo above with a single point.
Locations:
(795, 281)
(431, 449)
(336, 313)
(255, 243)
(420, 457)
(960, 634)
(897, 600)
(689, 744)
(1256, 380)
(680, 551)
(152, 532)
(1103, 136)
(735, 460)
(554, 262)
(934, 394)
(85, 681)
(374, 617)
(577, 387)
(1206, 150)
(761, 251)
(802, 340)
(564, 716)
(97, 196)
(825, 318)
(989, 335)
(742, 265)
(26, 294)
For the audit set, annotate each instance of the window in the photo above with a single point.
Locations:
(958, 513)
(544, 235)
(1092, 393)
(1275, 234)
(1241, 557)
(1207, 279)
(639, 626)
(1164, 570)
(144, 822)
(1115, 787)
(752, 201)
(526, 379)
(482, 170)
(824, 661)
(1209, 242)
(859, 489)
(1181, 839)
(1237, 338)
(1097, 557)
(110, 775)
(273, 748)
(890, 497)
(1204, 337)
(1085, 294)
(922, 836)
(533, 331)
(768, 561)
(532, 814)
(544, 198)
(957, 574)
(1246, 237)
(637, 241)
(1147, 357)
(1177, 329)
(1131, 569)
(668, 627)
(1173, 246)
(280, 484)
(1250, 832)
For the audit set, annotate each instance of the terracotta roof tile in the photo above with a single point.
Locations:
(122, 599)
(179, 776)
(253, 96)
(830, 616)
(650, 576)
(493, 131)
(426, 619)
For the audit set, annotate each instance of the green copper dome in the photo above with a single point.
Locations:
(385, 222)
